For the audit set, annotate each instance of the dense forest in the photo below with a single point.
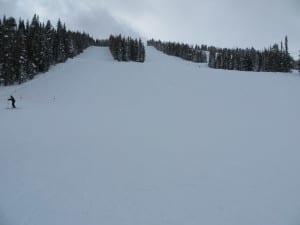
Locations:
(273, 59)
(126, 48)
(184, 51)
(28, 48)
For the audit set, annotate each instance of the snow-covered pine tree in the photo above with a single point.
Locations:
(135, 50)
(212, 58)
(288, 60)
(124, 56)
(9, 39)
(132, 50)
(204, 56)
(141, 52)
(257, 62)
(33, 46)
(43, 62)
(49, 42)
(127, 50)
(59, 40)
(236, 64)
(120, 50)
(298, 63)
(20, 54)
(286, 45)
(67, 43)
(71, 45)
(30, 67)
(196, 54)
(1, 51)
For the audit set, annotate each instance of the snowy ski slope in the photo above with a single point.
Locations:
(166, 142)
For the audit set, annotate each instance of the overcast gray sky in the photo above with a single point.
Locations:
(223, 23)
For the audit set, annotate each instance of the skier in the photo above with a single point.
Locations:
(12, 99)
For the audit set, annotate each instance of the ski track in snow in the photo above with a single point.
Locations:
(95, 141)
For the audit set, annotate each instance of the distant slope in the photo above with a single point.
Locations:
(167, 141)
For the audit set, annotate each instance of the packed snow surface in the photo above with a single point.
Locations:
(166, 142)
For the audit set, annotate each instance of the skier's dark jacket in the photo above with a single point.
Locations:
(12, 99)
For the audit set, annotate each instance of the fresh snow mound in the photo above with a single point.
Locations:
(95, 141)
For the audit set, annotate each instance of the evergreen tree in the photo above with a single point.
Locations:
(20, 54)
(67, 43)
(135, 48)
(299, 62)
(1, 51)
(49, 42)
(8, 42)
(59, 41)
(141, 51)
(286, 45)
(30, 67)
(34, 47)
(71, 45)
(43, 62)
(287, 59)
(212, 58)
